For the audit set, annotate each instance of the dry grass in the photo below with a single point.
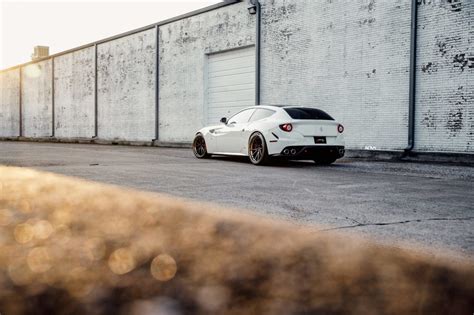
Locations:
(73, 247)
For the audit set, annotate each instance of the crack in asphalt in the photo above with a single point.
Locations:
(392, 223)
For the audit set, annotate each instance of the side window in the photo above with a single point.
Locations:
(261, 114)
(241, 117)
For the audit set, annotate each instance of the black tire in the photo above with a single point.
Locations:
(325, 160)
(199, 147)
(257, 149)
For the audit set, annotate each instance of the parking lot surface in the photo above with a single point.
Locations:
(391, 202)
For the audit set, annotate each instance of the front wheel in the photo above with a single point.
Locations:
(199, 147)
(258, 153)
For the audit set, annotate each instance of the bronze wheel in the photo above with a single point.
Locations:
(258, 153)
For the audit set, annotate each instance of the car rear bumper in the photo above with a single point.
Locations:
(310, 152)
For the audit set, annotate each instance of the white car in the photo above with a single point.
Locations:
(261, 132)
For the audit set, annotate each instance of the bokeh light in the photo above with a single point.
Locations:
(23, 233)
(42, 229)
(39, 259)
(163, 267)
(121, 261)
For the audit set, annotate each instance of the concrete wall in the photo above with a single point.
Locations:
(74, 94)
(183, 46)
(445, 76)
(126, 88)
(350, 58)
(10, 103)
(36, 94)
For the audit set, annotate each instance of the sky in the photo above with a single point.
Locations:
(66, 24)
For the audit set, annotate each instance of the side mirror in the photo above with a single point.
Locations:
(224, 120)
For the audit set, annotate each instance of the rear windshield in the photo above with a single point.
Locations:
(307, 113)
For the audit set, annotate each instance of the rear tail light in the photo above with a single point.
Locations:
(286, 127)
(340, 128)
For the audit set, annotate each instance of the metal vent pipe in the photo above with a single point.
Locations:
(412, 82)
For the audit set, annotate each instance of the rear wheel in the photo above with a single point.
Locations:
(258, 153)
(199, 147)
(325, 160)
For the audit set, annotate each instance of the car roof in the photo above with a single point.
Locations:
(271, 107)
(274, 106)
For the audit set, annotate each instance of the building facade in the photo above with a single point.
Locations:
(351, 58)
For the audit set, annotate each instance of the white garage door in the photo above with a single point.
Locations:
(230, 83)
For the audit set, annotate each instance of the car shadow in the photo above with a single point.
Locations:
(276, 162)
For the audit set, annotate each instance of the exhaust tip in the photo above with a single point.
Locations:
(293, 151)
(286, 152)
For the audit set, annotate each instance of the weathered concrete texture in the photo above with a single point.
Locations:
(126, 88)
(37, 99)
(183, 46)
(74, 94)
(445, 77)
(350, 58)
(10, 103)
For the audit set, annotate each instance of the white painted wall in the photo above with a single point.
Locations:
(74, 94)
(126, 88)
(37, 111)
(183, 48)
(349, 58)
(10, 103)
(445, 77)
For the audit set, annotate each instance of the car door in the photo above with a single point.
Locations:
(228, 138)
(254, 124)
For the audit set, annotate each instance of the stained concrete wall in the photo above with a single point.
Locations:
(10, 103)
(74, 94)
(37, 99)
(445, 76)
(350, 58)
(183, 45)
(126, 88)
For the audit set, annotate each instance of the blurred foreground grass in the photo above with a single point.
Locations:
(69, 246)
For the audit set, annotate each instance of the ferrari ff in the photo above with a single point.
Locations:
(265, 132)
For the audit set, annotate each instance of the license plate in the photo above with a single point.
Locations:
(320, 140)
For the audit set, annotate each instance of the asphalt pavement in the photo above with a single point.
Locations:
(391, 202)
